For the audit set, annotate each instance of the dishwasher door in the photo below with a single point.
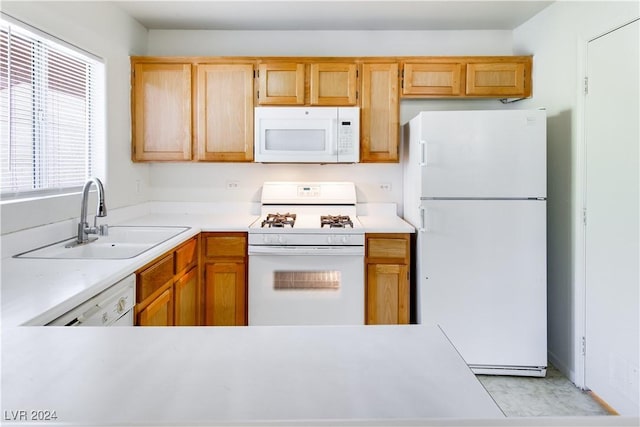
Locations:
(111, 307)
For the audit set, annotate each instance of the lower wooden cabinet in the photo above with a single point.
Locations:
(224, 258)
(387, 294)
(224, 289)
(186, 299)
(158, 312)
(167, 289)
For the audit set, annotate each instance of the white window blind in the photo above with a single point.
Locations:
(50, 118)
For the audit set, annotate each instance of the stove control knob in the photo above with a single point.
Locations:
(345, 239)
(281, 240)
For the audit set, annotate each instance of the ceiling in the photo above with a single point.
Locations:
(332, 14)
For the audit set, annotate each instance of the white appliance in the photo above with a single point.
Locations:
(306, 256)
(111, 307)
(475, 188)
(307, 134)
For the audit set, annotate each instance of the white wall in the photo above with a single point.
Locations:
(557, 37)
(206, 181)
(105, 31)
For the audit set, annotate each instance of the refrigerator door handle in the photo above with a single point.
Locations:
(423, 153)
(423, 220)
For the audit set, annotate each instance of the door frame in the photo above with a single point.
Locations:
(579, 245)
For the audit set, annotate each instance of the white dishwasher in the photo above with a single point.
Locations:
(111, 307)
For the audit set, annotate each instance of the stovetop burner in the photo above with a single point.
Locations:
(279, 220)
(335, 221)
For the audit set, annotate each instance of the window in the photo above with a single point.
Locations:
(51, 98)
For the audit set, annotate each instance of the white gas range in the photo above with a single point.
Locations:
(306, 256)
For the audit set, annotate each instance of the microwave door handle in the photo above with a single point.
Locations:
(334, 148)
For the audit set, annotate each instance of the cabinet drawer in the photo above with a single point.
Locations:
(225, 246)
(153, 277)
(186, 255)
(387, 247)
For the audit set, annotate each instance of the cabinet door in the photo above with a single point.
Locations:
(433, 79)
(224, 112)
(333, 84)
(161, 104)
(154, 277)
(379, 128)
(159, 312)
(387, 294)
(498, 79)
(225, 294)
(281, 84)
(186, 299)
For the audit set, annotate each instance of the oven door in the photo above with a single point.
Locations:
(303, 286)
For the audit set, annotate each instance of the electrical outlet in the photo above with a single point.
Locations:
(385, 186)
(232, 185)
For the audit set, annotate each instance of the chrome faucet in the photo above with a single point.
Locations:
(83, 226)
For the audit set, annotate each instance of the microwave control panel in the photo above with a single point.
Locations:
(345, 137)
(348, 131)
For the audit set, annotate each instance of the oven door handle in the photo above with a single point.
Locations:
(306, 250)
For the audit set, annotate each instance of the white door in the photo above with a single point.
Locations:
(484, 154)
(612, 216)
(483, 278)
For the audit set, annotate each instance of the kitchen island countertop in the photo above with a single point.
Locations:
(248, 375)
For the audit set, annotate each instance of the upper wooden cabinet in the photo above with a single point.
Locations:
(281, 83)
(307, 83)
(433, 79)
(333, 84)
(467, 76)
(161, 111)
(216, 100)
(379, 113)
(224, 112)
(512, 79)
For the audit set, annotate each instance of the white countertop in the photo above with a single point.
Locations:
(258, 374)
(37, 291)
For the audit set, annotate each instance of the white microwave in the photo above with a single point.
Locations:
(307, 134)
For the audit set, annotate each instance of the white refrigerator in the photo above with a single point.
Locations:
(475, 189)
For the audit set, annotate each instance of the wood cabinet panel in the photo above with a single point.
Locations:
(387, 260)
(225, 245)
(467, 76)
(186, 256)
(379, 113)
(186, 299)
(433, 79)
(161, 112)
(387, 294)
(225, 294)
(154, 277)
(388, 247)
(159, 312)
(333, 84)
(497, 79)
(224, 112)
(281, 83)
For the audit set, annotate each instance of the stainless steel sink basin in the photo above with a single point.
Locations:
(121, 243)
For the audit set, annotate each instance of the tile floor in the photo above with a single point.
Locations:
(553, 395)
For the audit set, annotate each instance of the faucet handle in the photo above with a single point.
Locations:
(103, 230)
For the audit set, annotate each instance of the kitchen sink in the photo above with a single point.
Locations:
(122, 242)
